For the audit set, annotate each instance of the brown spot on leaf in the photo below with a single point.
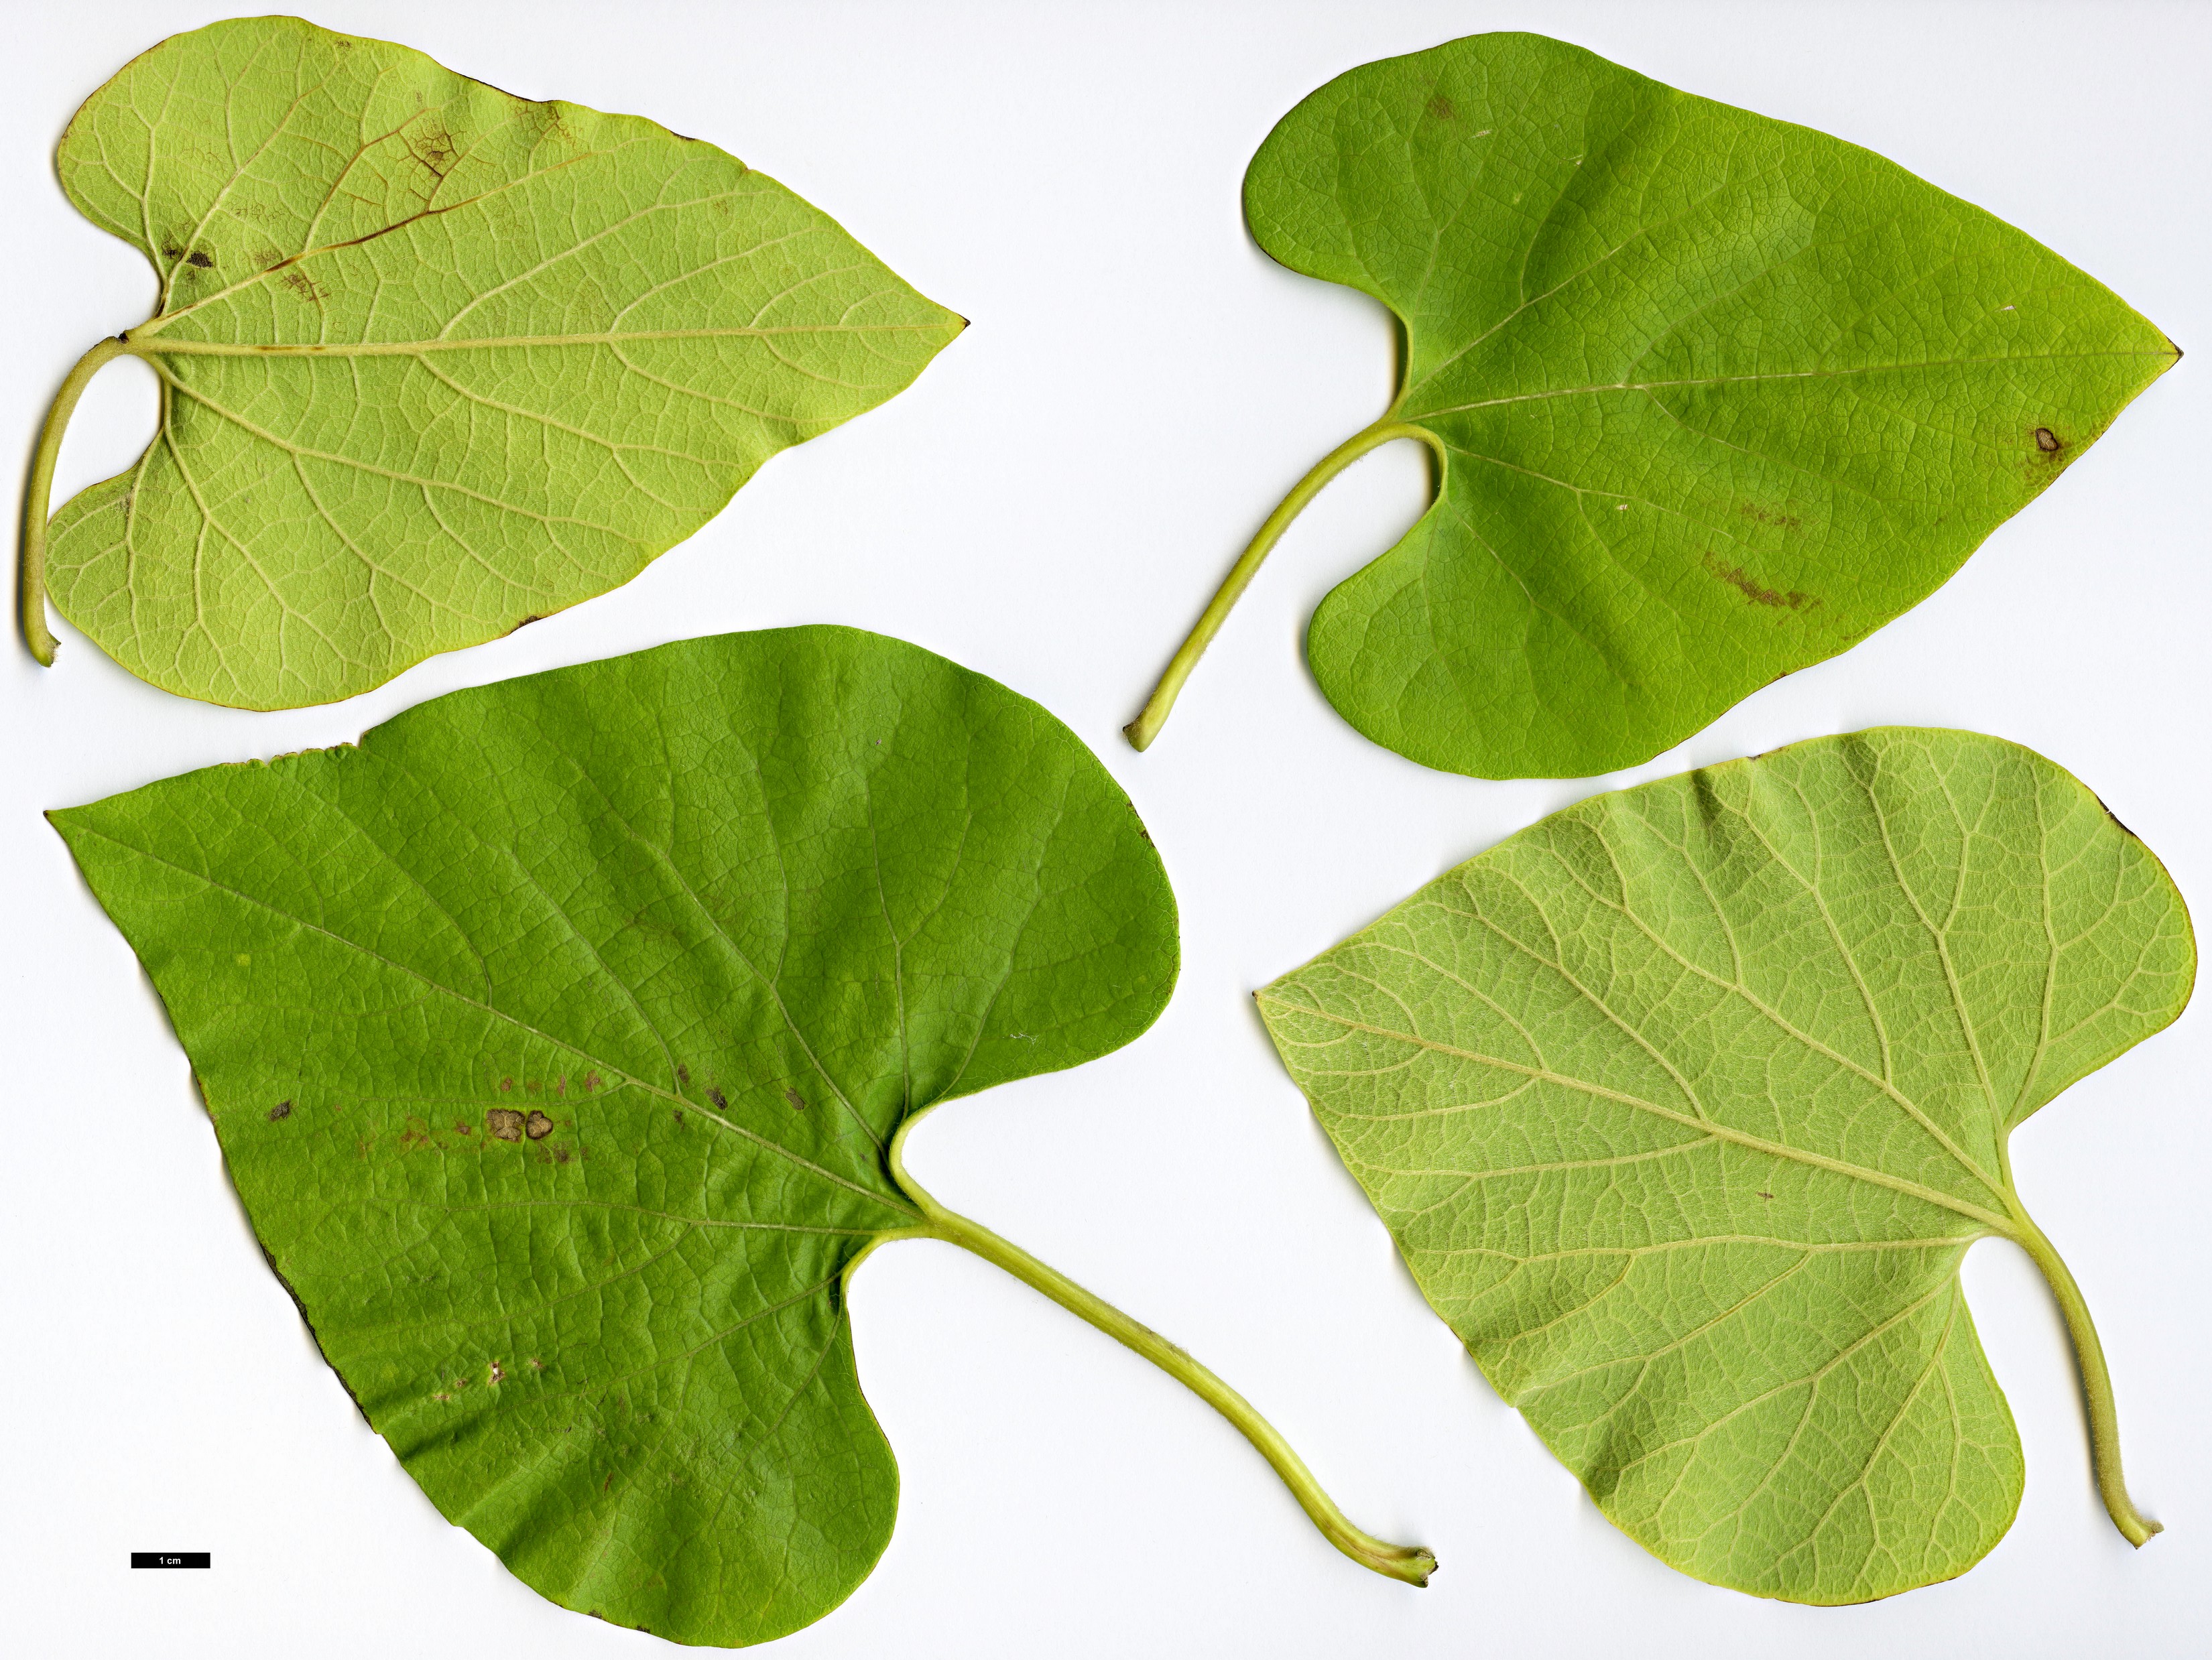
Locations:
(2048, 441)
(1736, 577)
(538, 1126)
(435, 150)
(1442, 107)
(525, 622)
(715, 1096)
(302, 285)
(1783, 521)
(591, 1082)
(798, 1101)
(495, 1373)
(202, 259)
(683, 1074)
(282, 1110)
(505, 1122)
(506, 1084)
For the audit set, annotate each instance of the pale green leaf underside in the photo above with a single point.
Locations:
(725, 914)
(1716, 396)
(1685, 1105)
(524, 349)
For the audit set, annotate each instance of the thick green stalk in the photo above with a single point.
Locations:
(2096, 1386)
(1141, 731)
(1410, 1563)
(36, 634)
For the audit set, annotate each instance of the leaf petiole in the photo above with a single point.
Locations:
(1141, 731)
(2096, 1385)
(1410, 1563)
(32, 557)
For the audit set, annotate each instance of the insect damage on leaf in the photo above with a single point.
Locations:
(1711, 397)
(624, 983)
(1685, 1105)
(435, 361)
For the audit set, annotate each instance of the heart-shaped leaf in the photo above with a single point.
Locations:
(1711, 397)
(435, 361)
(562, 1037)
(1685, 1105)
(556, 1037)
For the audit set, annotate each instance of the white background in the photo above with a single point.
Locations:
(1050, 504)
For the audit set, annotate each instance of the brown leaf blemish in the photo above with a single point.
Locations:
(538, 1126)
(282, 1110)
(1442, 108)
(798, 1101)
(1736, 577)
(2048, 441)
(1783, 521)
(202, 259)
(495, 1373)
(505, 1122)
(715, 1096)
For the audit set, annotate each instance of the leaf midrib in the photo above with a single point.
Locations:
(1777, 374)
(141, 345)
(1988, 1220)
(622, 1073)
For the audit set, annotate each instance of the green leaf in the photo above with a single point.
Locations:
(556, 1035)
(1711, 397)
(561, 1039)
(1685, 1105)
(435, 361)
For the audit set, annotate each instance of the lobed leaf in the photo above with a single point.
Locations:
(435, 361)
(556, 1037)
(1685, 1105)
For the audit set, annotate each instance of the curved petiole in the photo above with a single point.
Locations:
(36, 494)
(2096, 1385)
(1410, 1563)
(1141, 731)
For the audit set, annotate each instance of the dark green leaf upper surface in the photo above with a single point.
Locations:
(555, 1036)
(435, 360)
(1716, 396)
(1685, 1105)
